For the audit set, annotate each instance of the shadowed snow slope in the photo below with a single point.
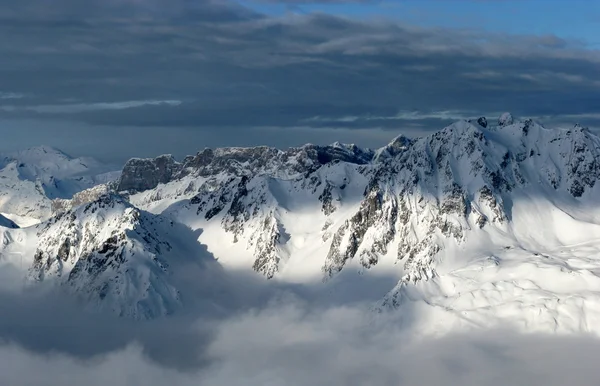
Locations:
(7, 223)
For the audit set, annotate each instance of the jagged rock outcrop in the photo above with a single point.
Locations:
(505, 119)
(266, 160)
(371, 229)
(83, 197)
(113, 256)
(143, 174)
(482, 121)
(444, 185)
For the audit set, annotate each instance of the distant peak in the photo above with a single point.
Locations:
(106, 200)
(400, 139)
(578, 126)
(395, 147)
(41, 150)
(482, 121)
(44, 149)
(505, 119)
(341, 145)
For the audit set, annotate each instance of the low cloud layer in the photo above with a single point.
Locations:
(233, 71)
(273, 334)
(286, 342)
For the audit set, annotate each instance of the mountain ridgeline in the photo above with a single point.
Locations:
(416, 208)
(413, 196)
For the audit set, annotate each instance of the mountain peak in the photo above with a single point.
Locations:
(395, 147)
(37, 153)
(39, 174)
(505, 119)
(117, 256)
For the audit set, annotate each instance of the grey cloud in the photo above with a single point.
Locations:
(288, 343)
(238, 71)
(11, 95)
(51, 323)
(82, 107)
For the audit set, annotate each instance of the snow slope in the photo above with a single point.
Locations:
(32, 178)
(112, 256)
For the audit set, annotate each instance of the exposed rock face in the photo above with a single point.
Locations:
(372, 228)
(505, 119)
(83, 197)
(445, 185)
(143, 174)
(269, 236)
(112, 255)
(482, 121)
(248, 161)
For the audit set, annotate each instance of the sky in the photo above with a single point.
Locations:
(122, 78)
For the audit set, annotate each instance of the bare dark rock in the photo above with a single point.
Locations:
(482, 121)
(143, 174)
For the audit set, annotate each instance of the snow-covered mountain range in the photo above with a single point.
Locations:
(481, 222)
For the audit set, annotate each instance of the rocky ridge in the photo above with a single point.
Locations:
(417, 196)
(114, 256)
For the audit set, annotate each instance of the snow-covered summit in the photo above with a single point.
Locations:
(116, 257)
(392, 149)
(30, 179)
(505, 119)
(45, 162)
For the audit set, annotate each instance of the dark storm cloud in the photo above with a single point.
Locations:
(216, 65)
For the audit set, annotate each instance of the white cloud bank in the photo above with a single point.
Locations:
(289, 343)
